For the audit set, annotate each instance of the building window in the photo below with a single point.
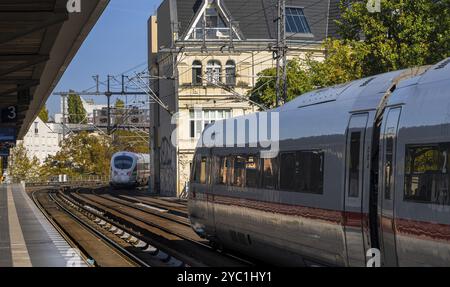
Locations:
(200, 119)
(426, 174)
(197, 77)
(296, 21)
(230, 70)
(212, 24)
(36, 129)
(213, 72)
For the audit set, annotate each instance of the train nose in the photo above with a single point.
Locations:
(121, 178)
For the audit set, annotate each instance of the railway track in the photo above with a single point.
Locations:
(96, 249)
(136, 252)
(156, 224)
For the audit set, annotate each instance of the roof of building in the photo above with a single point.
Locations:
(256, 18)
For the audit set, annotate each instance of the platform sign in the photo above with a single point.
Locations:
(9, 114)
(7, 134)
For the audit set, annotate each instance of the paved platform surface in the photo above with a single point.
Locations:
(27, 238)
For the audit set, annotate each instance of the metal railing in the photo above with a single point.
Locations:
(70, 180)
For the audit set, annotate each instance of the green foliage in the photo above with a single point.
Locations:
(404, 34)
(120, 104)
(81, 154)
(77, 113)
(130, 141)
(342, 64)
(43, 114)
(21, 167)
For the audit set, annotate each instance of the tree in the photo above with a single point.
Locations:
(342, 64)
(43, 114)
(21, 167)
(404, 34)
(120, 104)
(264, 91)
(77, 113)
(81, 154)
(130, 141)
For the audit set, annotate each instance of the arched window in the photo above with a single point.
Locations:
(230, 70)
(214, 71)
(197, 73)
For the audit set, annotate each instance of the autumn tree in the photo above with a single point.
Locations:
(120, 104)
(132, 141)
(81, 154)
(21, 167)
(43, 114)
(77, 113)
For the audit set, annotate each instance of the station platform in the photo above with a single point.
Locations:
(27, 238)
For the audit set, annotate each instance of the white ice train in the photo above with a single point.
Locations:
(129, 169)
(361, 165)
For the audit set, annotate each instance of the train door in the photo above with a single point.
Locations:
(387, 195)
(354, 234)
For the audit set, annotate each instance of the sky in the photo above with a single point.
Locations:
(117, 43)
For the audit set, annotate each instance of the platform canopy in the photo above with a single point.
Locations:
(38, 40)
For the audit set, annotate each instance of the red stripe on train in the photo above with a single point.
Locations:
(418, 229)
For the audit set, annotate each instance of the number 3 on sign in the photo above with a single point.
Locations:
(9, 114)
(12, 113)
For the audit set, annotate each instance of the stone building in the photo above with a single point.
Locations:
(205, 56)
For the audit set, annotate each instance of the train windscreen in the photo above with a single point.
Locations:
(123, 162)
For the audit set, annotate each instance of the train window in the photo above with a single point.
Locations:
(354, 168)
(388, 166)
(309, 172)
(203, 170)
(252, 172)
(270, 173)
(223, 170)
(289, 166)
(239, 171)
(389, 156)
(123, 162)
(426, 174)
(195, 170)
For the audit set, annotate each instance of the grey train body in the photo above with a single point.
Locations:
(361, 165)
